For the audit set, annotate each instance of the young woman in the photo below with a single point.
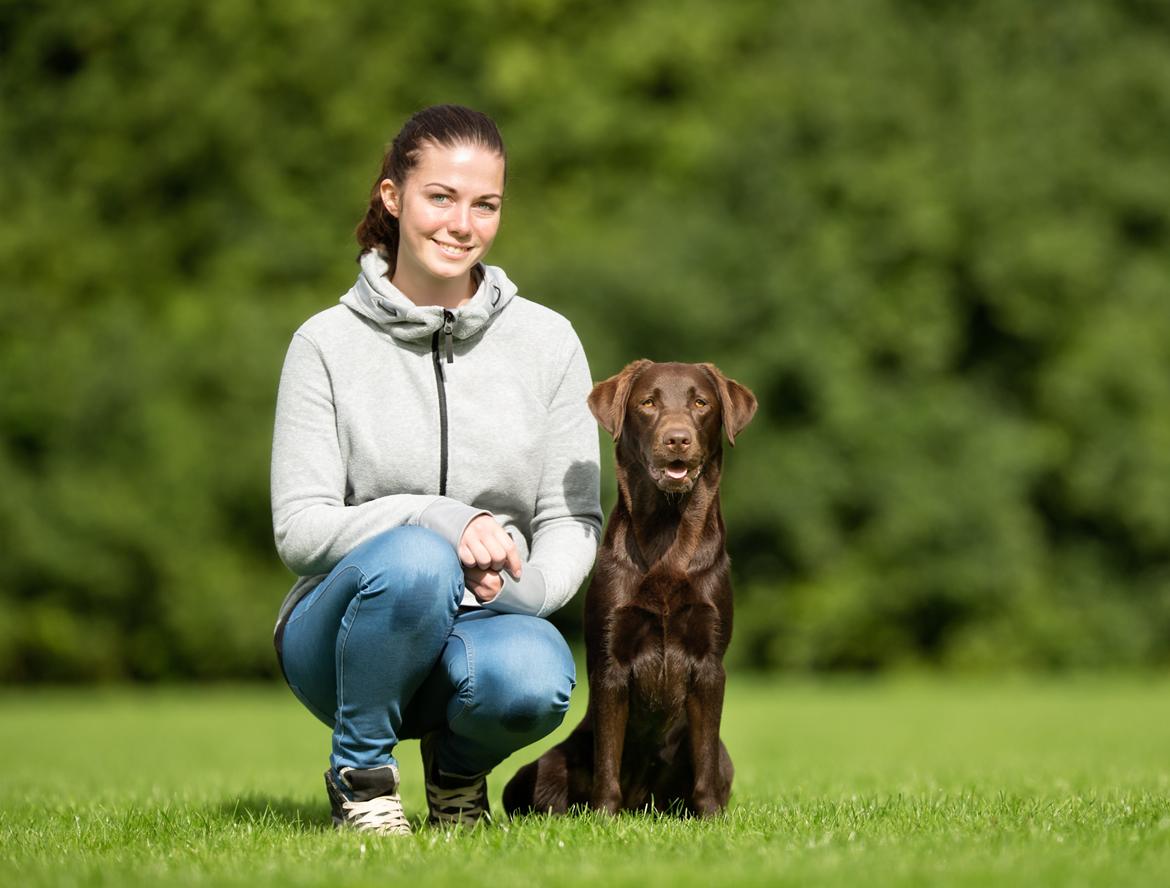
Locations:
(435, 486)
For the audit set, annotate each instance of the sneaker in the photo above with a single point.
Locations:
(367, 800)
(453, 800)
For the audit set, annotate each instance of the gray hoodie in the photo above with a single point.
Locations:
(390, 413)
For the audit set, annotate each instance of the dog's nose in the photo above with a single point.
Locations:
(677, 438)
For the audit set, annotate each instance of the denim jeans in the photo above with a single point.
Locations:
(380, 651)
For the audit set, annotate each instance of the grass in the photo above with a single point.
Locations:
(927, 781)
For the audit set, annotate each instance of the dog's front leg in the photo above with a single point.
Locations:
(611, 711)
(704, 713)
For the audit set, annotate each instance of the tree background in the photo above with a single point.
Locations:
(931, 236)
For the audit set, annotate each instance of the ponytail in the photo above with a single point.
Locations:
(379, 230)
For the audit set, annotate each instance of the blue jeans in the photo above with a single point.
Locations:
(380, 651)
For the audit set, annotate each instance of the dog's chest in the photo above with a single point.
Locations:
(659, 637)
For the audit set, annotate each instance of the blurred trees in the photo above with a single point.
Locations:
(932, 237)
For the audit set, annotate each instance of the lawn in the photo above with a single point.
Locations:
(909, 782)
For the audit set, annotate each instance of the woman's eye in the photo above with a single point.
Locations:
(487, 207)
(440, 198)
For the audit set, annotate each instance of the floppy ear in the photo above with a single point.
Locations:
(738, 403)
(608, 398)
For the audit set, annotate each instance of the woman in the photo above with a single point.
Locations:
(435, 486)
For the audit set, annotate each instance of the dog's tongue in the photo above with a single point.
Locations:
(676, 472)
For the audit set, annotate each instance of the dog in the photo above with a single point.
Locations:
(658, 611)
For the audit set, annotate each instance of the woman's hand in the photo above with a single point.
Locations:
(485, 549)
(483, 584)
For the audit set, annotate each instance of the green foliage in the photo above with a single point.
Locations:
(930, 236)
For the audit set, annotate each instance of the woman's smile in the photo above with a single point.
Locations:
(456, 251)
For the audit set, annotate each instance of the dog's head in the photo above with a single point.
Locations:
(668, 416)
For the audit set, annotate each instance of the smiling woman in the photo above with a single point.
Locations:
(435, 485)
(448, 213)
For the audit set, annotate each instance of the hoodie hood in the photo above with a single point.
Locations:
(374, 297)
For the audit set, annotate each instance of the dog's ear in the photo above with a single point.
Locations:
(738, 403)
(608, 398)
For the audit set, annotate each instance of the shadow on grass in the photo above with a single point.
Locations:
(267, 810)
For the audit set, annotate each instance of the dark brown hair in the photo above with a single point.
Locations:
(446, 125)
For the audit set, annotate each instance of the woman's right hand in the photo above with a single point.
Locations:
(485, 549)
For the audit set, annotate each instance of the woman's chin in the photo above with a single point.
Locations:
(449, 269)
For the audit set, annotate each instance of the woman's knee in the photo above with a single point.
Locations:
(520, 688)
(410, 561)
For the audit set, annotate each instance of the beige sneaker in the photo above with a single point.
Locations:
(366, 799)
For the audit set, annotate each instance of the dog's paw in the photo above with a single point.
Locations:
(706, 806)
(606, 802)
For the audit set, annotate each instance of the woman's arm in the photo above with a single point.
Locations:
(567, 523)
(313, 526)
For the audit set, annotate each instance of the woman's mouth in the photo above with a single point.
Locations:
(455, 251)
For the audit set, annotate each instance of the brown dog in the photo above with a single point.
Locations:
(658, 611)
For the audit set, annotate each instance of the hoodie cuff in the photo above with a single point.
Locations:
(523, 596)
(449, 518)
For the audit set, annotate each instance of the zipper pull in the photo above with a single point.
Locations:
(448, 330)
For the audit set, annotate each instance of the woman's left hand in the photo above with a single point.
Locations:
(484, 550)
(485, 585)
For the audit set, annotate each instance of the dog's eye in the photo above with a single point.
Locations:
(700, 402)
(648, 402)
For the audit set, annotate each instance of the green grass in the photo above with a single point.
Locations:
(1021, 782)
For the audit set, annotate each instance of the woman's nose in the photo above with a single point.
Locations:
(459, 222)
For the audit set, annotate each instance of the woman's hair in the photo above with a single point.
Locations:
(445, 125)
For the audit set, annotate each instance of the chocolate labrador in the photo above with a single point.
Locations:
(658, 611)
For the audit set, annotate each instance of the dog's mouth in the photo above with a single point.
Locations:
(675, 476)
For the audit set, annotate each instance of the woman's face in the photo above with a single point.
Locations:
(448, 211)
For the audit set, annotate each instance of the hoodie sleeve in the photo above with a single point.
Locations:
(313, 526)
(567, 523)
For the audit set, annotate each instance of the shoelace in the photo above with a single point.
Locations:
(460, 804)
(382, 814)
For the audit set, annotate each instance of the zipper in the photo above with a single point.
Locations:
(441, 385)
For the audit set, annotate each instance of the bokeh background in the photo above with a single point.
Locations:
(932, 237)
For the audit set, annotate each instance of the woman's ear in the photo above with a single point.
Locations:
(389, 192)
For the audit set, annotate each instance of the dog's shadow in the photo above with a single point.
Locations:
(261, 810)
